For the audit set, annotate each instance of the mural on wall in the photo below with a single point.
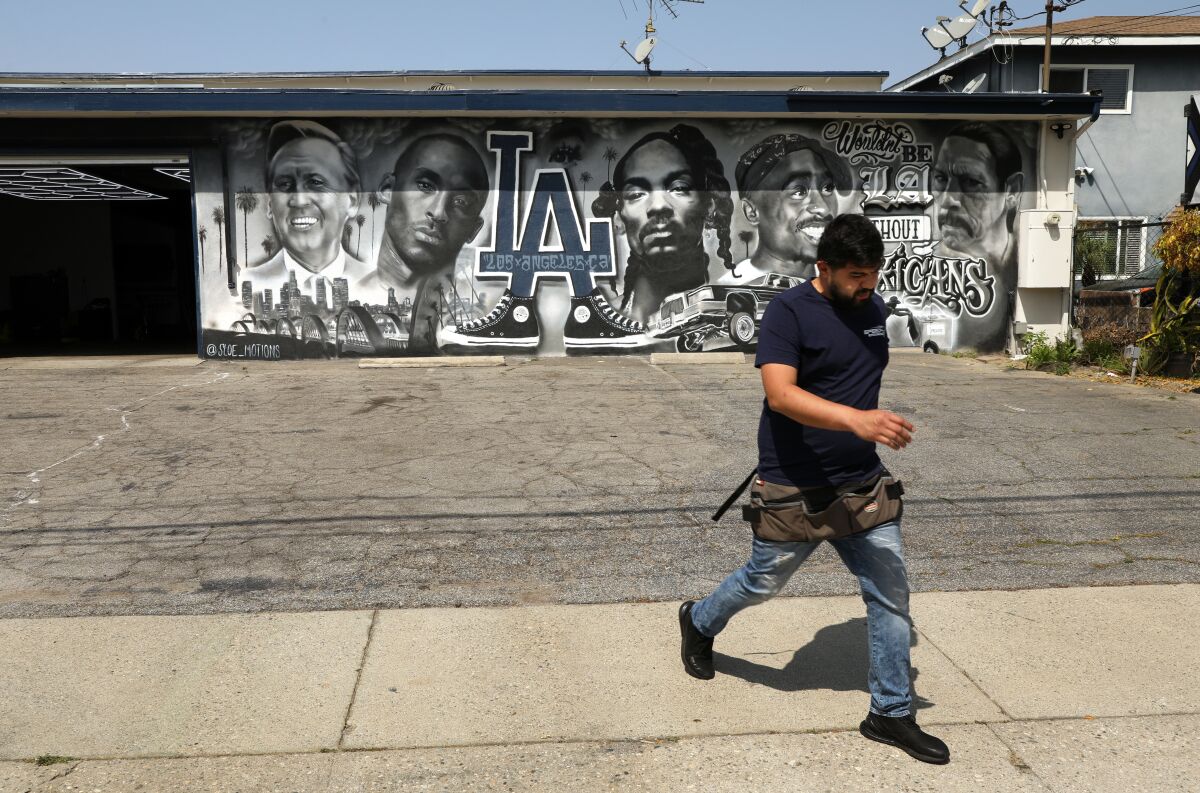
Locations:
(393, 237)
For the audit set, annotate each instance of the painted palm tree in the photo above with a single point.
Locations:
(269, 245)
(347, 233)
(373, 203)
(359, 221)
(745, 237)
(246, 200)
(585, 178)
(202, 235)
(218, 216)
(443, 307)
(610, 156)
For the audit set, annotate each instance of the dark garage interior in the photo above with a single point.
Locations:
(96, 263)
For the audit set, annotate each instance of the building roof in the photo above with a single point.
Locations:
(462, 79)
(452, 73)
(1144, 31)
(1144, 279)
(1146, 25)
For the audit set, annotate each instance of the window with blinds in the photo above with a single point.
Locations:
(1115, 85)
(1113, 81)
(1115, 248)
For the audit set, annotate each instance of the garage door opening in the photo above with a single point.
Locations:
(98, 258)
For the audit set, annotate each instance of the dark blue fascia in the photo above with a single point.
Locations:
(269, 102)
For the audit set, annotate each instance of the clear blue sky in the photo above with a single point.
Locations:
(307, 35)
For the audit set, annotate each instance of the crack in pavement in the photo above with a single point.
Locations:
(31, 496)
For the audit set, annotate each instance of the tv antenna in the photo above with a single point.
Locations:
(948, 30)
(641, 53)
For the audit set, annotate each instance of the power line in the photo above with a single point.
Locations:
(1015, 18)
(1132, 23)
(689, 57)
(1148, 21)
(1127, 23)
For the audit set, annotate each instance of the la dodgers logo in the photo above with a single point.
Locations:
(520, 253)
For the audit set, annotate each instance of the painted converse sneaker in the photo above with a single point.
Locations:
(511, 323)
(593, 324)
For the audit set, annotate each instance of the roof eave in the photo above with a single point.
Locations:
(942, 65)
(438, 73)
(97, 103)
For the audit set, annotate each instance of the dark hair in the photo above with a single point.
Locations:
(850, 239)
(999, 143)
(285, 132)
(706, 168)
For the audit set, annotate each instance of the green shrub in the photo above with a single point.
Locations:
(1095, 350)
(1065, 351)
(1113, 363)
(1039, 351)
(1104, 354)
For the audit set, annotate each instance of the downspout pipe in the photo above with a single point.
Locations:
(1087, 125)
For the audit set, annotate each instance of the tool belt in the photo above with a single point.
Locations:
(785, 513)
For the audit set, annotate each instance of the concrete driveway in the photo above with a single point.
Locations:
(170, 486)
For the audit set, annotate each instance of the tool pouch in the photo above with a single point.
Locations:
(784, 513)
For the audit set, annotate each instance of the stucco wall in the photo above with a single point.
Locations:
(544, 236)
(1137, 158)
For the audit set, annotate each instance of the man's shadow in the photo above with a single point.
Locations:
(835, 659)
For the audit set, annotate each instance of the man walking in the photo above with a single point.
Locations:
(822, 351)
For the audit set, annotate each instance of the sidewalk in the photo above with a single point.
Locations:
(1060, 689)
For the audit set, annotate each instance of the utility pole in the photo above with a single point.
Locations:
(1046, 56)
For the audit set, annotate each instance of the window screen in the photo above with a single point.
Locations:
(1066, 81)
(1131, 247)
(1114, 83)
(1113, 247)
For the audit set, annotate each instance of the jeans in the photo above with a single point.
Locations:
(877, 559)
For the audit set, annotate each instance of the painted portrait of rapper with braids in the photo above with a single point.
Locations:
(666, 191)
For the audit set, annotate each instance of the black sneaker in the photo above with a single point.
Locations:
(697, 648)
(593, 324)
(511, 323)
(903, 733)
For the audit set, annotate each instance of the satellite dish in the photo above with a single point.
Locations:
(644, 48)
(960, 26)
(936, 37)
(977, 9)
(975, 84)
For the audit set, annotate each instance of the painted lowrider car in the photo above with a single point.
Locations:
(733, 310)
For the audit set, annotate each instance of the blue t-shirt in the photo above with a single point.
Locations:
(839, 355)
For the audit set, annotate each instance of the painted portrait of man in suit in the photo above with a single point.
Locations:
(312, 193)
